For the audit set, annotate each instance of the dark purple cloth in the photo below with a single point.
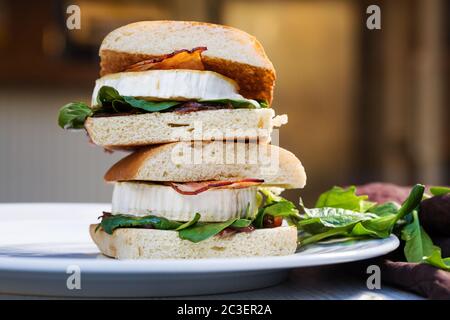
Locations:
(434, 215)
(421, 278)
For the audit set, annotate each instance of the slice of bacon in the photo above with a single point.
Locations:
(181, 59)
(193, 106)
(228, 232)
(193, 188)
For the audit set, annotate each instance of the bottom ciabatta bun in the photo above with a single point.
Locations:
(133, 243)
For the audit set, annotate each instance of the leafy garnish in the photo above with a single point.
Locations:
(107, 95)
(73, 115)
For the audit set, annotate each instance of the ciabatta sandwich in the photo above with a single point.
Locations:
(168, 81)
(201, 200)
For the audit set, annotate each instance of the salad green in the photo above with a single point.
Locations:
(340, 213)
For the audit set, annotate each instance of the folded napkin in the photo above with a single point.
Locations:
(434, 217)
(420, 278)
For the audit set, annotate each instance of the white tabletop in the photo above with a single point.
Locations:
(344, 281)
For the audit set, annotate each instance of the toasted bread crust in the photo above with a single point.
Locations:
(212, 162)
(254, 83)
(231, 52)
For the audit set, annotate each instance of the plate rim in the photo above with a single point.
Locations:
(104, 265)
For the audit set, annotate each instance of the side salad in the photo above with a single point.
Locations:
(342, 214)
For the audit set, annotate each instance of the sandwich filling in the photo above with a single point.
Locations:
(174, 83)
(221, 210)
(218, 204)
(180, 59)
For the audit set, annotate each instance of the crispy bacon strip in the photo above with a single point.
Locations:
(181, 59)
(193, 188)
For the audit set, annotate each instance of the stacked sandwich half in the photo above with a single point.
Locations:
(192, 102)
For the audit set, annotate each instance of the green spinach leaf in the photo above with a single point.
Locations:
(264, 103)
(73, 115)
(436, 260)
(385, 209)
(439, 191)
(236, 103)
(150, 106)
(275, 205)
(109, 224)
(189, 223)
(417, 242)
(342, 198)
(202, 230)
(356, 224)
(318, 220)
(107, 95)
(241, 223)
(420, 248)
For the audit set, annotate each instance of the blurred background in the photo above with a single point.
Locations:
(364, 105)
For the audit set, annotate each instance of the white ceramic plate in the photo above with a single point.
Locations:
(42, 245)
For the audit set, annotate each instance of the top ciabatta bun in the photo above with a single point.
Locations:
(217, 160)
(230, 52)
